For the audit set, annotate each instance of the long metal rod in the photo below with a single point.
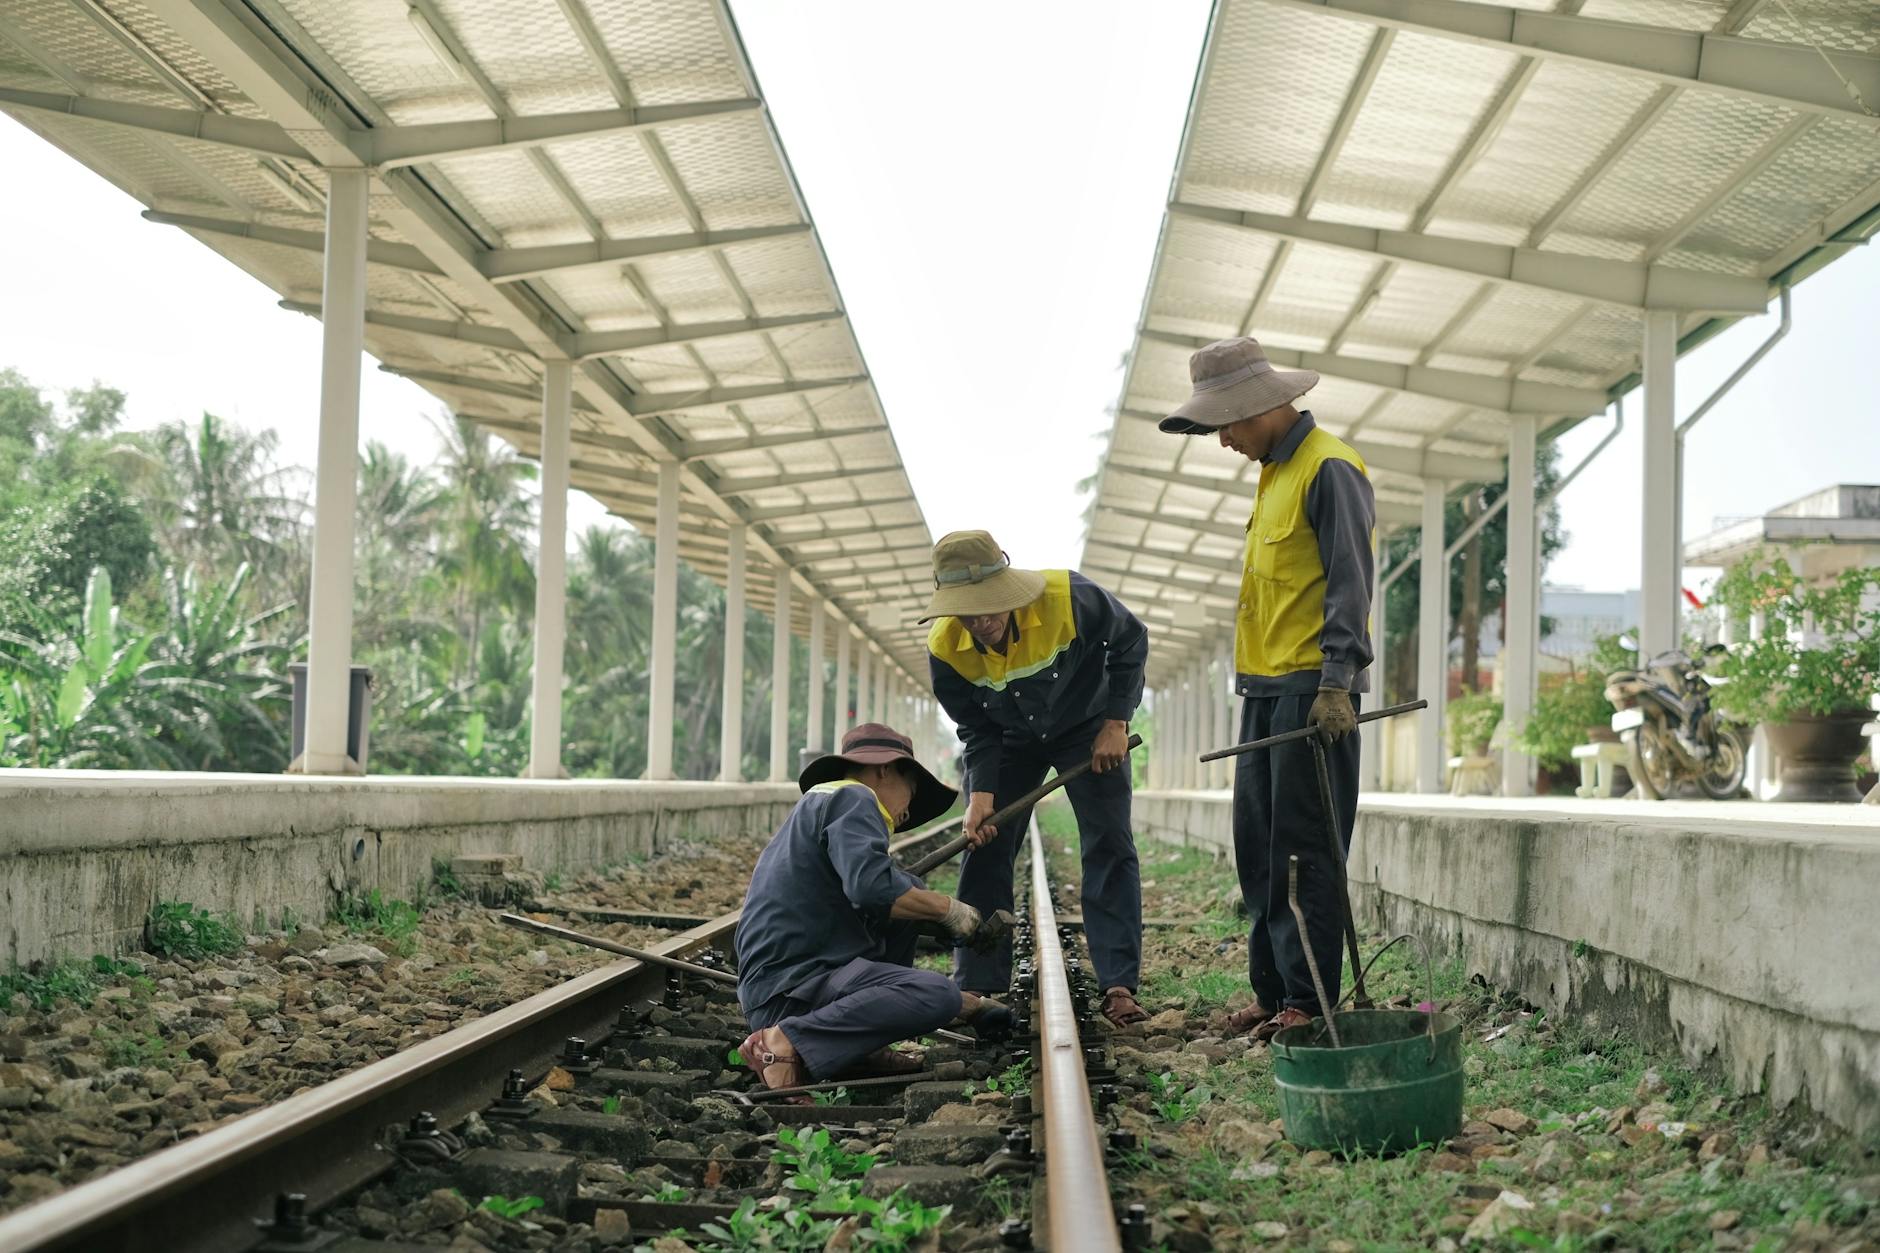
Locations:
(954, 847)
(610, 946)
(1305, 942)
(1749, 363)
(1077, 1190)
(1286, 737)
(205, 1194)
(1336, 849)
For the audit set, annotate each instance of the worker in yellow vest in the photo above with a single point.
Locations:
(1302, 649)
(1041, 670)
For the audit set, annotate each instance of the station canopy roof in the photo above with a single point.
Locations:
(1456, 212)
(595, 179)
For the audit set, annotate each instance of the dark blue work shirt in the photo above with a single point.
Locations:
(820, 894)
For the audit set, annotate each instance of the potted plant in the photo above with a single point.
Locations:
(1572, 709)
(1809, 674)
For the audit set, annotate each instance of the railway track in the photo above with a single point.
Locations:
(618, 1073)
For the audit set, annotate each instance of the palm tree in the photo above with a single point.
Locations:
(486, 517)
(400, 509)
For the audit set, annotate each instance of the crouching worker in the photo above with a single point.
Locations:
(826, 941)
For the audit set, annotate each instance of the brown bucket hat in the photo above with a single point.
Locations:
(973, 576)
(1233, 380)
(876, 744)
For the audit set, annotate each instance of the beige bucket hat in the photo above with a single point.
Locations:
(1233, 380)
(973, 576)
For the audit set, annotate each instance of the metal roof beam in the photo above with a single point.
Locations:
(388, 147)
(1215, 567)
(792, 539)
(1396, 458)
(1482, 391)
(1207, 526)
(624, 474)
(378, 251)
(246, 134)
(1621, 283)
(588, 345)
(588, 439)
(1788, 75)
(693, 450)
(744, 487)
(648, 404)
(816, 508)
(429, 328)
(471, 383)
(513, 265)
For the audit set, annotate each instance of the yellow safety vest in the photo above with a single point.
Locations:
(1282, 581)
(1046, 627)
(837, 784)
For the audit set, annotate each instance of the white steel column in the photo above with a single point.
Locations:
(1184, 735)
(551, 581)
(336, 481)
(1432, 640)
(883, 711)
(1371, 739)
(1658, 571)
(665, 621)
(731, 721)
(1521, 630)
(864, 692)
(818, 681)
(780, 681)
(844, 634)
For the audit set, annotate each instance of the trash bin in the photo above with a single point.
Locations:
(358, 713)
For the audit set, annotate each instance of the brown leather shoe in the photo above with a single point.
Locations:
(1288, 1017)
(770, 1053)
(1121, 1007)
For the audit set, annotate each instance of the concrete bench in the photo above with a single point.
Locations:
(1598, 766)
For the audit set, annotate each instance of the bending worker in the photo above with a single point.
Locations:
(1041, 670)
(1301, 648)
(826, 940)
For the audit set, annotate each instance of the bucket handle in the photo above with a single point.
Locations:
(1429, 982)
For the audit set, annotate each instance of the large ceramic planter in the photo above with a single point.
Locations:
(1817, 753)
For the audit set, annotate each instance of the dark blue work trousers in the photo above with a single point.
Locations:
(838, 1018)
(1112, 887)
(1278, 815)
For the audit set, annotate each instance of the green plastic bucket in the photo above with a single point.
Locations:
(1395, 1084)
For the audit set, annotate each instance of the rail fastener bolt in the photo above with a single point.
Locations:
(1015, 1233)
(514, 1102)
(1120, 1143)
(1135, 1228)
(575, 1058)
(291, 1229)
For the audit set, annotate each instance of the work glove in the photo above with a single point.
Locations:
(1333, 715)
(961, 920)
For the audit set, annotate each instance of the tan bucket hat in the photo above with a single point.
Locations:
(1233, 380)
(973, 576)
(877, 744)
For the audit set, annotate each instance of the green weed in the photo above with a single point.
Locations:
(503, 1207)
(179, 929)
(1175, 1101)
(140, 1049)
(45, 984)
(610, 1105)
(444, 879)
(839, 1097)
(395, 921)
(668, 1194)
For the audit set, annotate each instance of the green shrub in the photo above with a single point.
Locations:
(1565, 710)
(392, 920)
(1835, 664)
(1473, 717)
(45, 984)
(179, 929)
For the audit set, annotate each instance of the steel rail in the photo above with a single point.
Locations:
(207, 1193)
(1077, 1193)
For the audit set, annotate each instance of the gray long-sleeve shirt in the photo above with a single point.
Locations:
(1341, 509)
(819, 895)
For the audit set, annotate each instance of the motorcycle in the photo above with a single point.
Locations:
(1665, 720)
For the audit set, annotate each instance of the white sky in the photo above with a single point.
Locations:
(988, 181)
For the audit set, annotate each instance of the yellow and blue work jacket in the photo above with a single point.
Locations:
(1305, 587)
(1073, 659)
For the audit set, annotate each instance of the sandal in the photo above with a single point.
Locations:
(1122, 1009)
(766, 1059)
(1246, 1018)
(1288, 1017)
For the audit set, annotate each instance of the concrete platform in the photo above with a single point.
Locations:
(85, 853)
(1745, 934)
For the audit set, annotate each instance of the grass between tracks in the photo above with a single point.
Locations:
(1609, 1145)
